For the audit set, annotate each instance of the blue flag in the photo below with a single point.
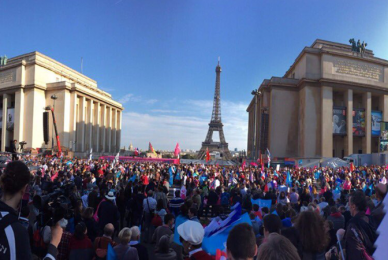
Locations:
(111, 254)
(289, 179)
(133, 178)
(211, 243)
(178, 221)
(262, 203)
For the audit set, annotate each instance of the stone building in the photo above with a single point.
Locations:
(328, 104)
(86, 116)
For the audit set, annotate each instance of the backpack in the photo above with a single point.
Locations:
(100, 252)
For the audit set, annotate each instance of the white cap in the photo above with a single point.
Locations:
(192, 232)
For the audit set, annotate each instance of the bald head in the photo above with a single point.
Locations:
(109, 229)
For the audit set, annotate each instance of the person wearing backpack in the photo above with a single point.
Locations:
(14, 237)
(101, 243)
(361, 231)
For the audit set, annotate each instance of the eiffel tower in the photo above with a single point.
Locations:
(216, 125)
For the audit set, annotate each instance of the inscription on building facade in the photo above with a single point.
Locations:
(6, 77)
(353, 68)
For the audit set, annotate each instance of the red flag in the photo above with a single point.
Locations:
(221, 255)
(177, 150)
(262, 163)
(352, 168)
(266, 188)
(207, 155)
(243, 165)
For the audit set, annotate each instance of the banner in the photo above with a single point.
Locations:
(376, 119)
(262, 203)
(339, 120)
(359, 122)
(383, 136)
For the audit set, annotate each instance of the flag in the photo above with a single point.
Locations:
(289, 179)
(177, 150)
(111, 254)
(221, 255)
(243, 165)
(151, 149)
(116, 159)
(178, 221)
(210, 244)
(352, 168)
(269, 157)
(207, 155)
(91, 154)
(262, 203)
(136, 151)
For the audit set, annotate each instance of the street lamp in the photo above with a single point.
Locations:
(255, 93)
(53, 97)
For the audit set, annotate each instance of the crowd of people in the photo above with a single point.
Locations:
(55, 208)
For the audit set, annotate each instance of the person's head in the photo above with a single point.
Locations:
(271, 224)
(150, 193)
(177, 193)
(164, 244)
(125, 236)
(381, 191)
(108, 230)
(255, 207)
(14, 182)
(357, 202)
(80, 231)
(191, 235)
(311, 227)
(193, 211)
(88, 213)
(135, 233)
(169, 219)
(333, 210)
(278, 247)
(241, 243)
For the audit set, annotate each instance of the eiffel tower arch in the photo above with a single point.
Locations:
(216, 125)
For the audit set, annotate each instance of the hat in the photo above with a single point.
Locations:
(110, 196)
(192, 232)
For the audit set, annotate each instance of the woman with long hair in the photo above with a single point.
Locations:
(312, 235)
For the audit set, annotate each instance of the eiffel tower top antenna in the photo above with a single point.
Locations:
(218, 60)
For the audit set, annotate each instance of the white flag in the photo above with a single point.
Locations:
(116, 160)
(91, 154)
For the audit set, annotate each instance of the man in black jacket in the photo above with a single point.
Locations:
(14, 150)
(14, 240)
(361, 230)
(108, 212)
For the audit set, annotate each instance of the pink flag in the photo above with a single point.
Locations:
(177, 150)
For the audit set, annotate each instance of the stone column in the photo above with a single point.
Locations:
(367, 140)
(4, 132)
(89, 132)
(81, 125)
(326, 121)
(109, 130)
(384, 107)
(73, 121)
(114, 126)
(96, 127)
(349, 122)
(19, 116)
(118, 129)
(103, 128)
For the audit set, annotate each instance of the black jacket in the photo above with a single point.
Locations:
(108, 213)
(14, 238)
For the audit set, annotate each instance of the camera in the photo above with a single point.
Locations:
(54, 206)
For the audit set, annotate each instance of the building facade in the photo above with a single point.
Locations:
(86, 116)
(328, 104)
